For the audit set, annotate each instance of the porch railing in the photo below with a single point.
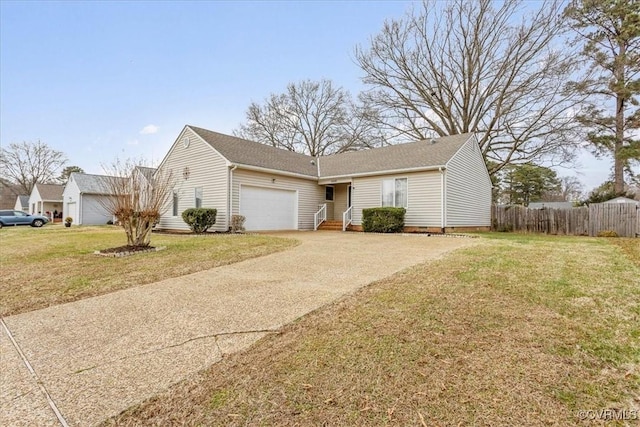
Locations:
(320, 216)
(346, 219)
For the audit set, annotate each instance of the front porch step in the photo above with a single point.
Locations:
(331, 225)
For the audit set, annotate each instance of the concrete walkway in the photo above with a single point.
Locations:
(93, 358)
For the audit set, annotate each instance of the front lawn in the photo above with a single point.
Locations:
(53, 264)
(521, 330)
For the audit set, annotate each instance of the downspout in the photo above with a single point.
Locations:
(80, 209)
(230, 195)
(443, 221)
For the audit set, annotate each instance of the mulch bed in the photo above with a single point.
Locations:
(121, 251)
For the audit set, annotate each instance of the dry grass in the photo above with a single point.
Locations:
(523, 330)
(53, 265)
(631, 248)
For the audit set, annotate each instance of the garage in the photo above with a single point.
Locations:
(269, 208)
(72, 211)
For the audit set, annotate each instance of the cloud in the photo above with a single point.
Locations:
(149, 129)
(133, 142)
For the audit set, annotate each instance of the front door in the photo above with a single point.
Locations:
(348, 196)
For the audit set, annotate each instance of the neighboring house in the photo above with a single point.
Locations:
(46, 198)
(8, 194)
(443, 183)
(22, 204)
(550, 205)
(86, 199)
(144, 177)
(145, 173)
(623, 200)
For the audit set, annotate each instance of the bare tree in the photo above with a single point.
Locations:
(314, 118)
(137, 201)
(570, 189)
(609, 31)
(476, 66)
(27, 163)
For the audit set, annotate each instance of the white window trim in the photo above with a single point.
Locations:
(195, 196)
(394, 198)
(175, 204)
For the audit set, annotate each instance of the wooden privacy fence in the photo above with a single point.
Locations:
(623, 218)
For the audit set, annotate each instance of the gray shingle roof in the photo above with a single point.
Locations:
(91, 184)
(420, 154)
(241, 151)
(50, 192)
(8, 193)
(146, 172)
(393, 157)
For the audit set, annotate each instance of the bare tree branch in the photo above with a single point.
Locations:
(137, 200)
(476, 66)
(27, 163)
(314, 118)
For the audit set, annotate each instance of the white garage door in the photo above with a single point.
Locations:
(268, 208)
(93, 211)
(72, 212)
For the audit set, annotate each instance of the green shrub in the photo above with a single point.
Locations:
(383, 220)
(607, 233)
(199, 219)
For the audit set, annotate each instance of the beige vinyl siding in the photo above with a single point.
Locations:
(424, 197)
(207, 169)
(468, 188)
(310, 194)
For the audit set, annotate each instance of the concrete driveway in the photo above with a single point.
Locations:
(93, 358)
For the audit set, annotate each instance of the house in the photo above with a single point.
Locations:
(623, 200)
(443, 183)
(22, 203)
(142, 182)
(550, 205)
(8, 194)
(86, 199)
(46, 199)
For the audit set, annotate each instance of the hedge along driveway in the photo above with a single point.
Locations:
(98, 356)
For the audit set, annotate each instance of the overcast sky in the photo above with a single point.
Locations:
(100, 80)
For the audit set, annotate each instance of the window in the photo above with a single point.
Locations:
(394, 192)
(175, 203)
(199, 197)
(328, 194)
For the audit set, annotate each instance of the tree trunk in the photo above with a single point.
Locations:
(618, 161)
